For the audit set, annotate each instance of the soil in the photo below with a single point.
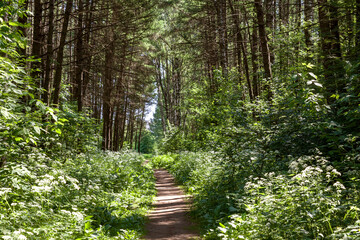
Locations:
(169, 220)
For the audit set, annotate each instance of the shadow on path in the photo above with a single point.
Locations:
(169, 220)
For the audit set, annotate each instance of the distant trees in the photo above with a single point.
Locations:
(256, 45)
(89, 53)
(107, 55)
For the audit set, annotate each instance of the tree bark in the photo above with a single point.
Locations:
(60, 54)
(308, 12)
(254, 57)
(220, 6)
(23, 20)
(330, 44)
(141, 127)
(240, 46)
(357, 40)
(107, 121)
(49, 54)
(36, 40)
(270, 19)
(123, 126)
(79, 58)
(264, 47)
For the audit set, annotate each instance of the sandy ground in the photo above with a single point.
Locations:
(169, 219)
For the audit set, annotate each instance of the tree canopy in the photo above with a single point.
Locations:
(257, 108)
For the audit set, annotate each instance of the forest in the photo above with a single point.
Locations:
(255, 109)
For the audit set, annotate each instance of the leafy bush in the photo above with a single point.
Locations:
(95, 195)
(309, 201)
(162, 161)
(307, 204)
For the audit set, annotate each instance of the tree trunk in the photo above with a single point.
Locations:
(264, 47)
(87, 51)
(220, 6)
(23, 20)
(79, 58)
(122, 134)
(330, 45)
(141, 127)
(36, 40)
(240, 46)
(308, 11)
(49, 54)
(357, 40)
(254, 54)
(131, 124)
(270, 10)
(107, 121)
(117, 128)
(60, 54)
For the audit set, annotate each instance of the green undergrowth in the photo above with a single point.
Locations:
(93, 196)
(309, 200)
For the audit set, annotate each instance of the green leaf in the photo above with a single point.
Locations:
(37, 129)
(313, 75)
(53, 116)
(318, 84)
(14, 24)
(5, 113)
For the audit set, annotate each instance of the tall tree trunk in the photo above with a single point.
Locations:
(308, 11)
(264, 47)
(330, 45)
(240, 46)
(131, 127)
(357, 40)
(177, 91)
(79, 58)
(60, 54)
(220, 6)
(334, 27)
(117, 128)
(49, 53)
(254, 56)
(107, 121)
(36, 40)
(87, 51)
(123, 126)
(23, 20)
(270, 19)
(141, 127)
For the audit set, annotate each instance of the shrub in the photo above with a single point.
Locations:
(95, 195)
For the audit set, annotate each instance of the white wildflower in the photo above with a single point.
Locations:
(22, 237)
(3, 191)
(335, 172)
(66, 212)
(78, 216)
(338, 185)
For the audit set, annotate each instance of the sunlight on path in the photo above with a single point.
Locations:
(169, 219)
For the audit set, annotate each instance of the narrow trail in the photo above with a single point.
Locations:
(169, 219)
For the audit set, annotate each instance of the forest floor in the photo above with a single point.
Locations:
(169, 220)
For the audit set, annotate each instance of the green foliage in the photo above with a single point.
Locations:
(285, 169)
(156, 125)
(307, 202)
(162, 161)
(147, 143)
(54, 184)
(94, 195)
(21, 115)
(174, 141)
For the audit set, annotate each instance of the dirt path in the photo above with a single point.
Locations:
(169, 219)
